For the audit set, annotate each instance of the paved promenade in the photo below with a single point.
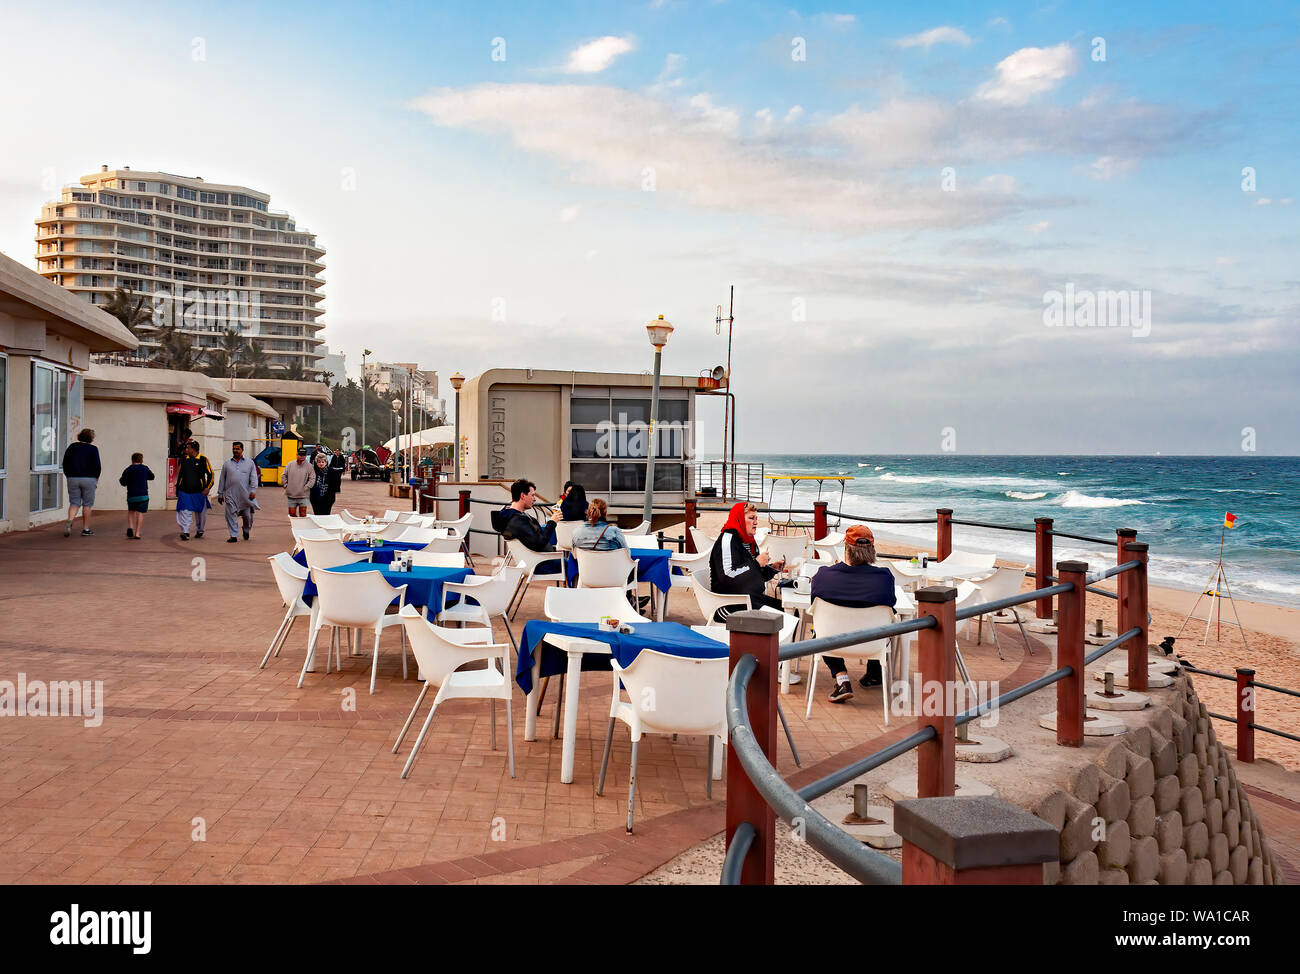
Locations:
(207, 769)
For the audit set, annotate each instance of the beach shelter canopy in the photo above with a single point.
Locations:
(429, 439)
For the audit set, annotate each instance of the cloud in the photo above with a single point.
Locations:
(1225, 261)
(695, 152)
(840, 21)
(568, 214)
(1028, 72)
(1105, 168)
(936, 35)
(1038, 227)
(1265, 201)
(595, 56)
(794, 113)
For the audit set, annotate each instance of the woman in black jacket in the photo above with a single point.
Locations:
(735, 566)
(573, 502)
(323, 490)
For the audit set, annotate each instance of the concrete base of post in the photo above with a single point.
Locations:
(972, 841)
(1096, 723)
(903, 788)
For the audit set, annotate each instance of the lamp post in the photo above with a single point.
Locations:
(457, 380)
(397, 440)
(658, 330)
(363, 397)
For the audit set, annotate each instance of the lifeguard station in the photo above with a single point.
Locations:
(778, 498)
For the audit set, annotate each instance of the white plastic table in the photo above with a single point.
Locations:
(574, 647)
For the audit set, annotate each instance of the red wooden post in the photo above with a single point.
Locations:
(1245, 715)
(936, 760)
(1042, 564)
(1071, 692)
(1138, 663)
(755, 633)
(1126, 616)
(692, 517)
(464, 503)
(819, 520)
(943, 543)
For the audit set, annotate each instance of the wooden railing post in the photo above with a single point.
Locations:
(1126, 610)
(1138, 664)
(756, 634)
(464, 503)
(973, 841)
(1245, 715)
(819, 520)
(1042, 564)
(936, 759)
(943, 541)
(1071, 692)
(692, 518)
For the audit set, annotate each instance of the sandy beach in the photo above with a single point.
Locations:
(1271, 648)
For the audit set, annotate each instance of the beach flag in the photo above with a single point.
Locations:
(1229, 519)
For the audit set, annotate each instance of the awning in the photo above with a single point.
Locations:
(183, 409)
(212, 414)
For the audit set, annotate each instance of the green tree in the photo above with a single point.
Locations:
(130, 309)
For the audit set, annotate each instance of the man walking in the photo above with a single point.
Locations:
(237, 490)
(297, 481)
(81, 468)
(193, 481)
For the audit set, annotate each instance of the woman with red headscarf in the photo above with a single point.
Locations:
(735, 565)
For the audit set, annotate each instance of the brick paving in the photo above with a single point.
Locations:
(207, 769)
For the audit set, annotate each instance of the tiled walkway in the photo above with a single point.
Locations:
(207, 769)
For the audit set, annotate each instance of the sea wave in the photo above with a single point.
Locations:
(1020, 495)
(903, 478)
(1073, 498)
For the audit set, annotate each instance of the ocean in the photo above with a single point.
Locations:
(1176, 504)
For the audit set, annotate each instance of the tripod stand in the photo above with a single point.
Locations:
(1216, 588)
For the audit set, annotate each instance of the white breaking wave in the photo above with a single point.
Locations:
(908, 478)
(1072, 498)
(880, 468)
(1020, 495)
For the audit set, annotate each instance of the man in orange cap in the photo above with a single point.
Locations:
(856, 583)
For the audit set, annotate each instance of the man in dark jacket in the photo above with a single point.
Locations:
(81, 468)
(514, 523)
(854, 583)
(193, 481)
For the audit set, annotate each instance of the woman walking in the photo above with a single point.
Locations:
(324, 490)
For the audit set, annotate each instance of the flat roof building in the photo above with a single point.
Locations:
(207, 256)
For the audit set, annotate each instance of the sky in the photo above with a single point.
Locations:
(903, 198)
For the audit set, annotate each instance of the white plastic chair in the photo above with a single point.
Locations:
(305, 529)
(963, 564)
(711, 602)
(393, 530)
(640, 530)
(416, 534)
(441, 545)
(482, 597)
(719, 631)
(703, 542)
(440, 653)
(606, 569)
(459, 527)
(408, 517)
(1002, 584)
(530, 561)
(589, 605)
(793, 548)
(829, 548)
(329, 522)
(290, 579)
(901, 578)
(392, 516)
(835, 620)
(438, 559)
(353, 600)
(330, 553)
(349, 518)
(689, 697)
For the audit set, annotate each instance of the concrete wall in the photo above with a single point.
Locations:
(122, 428)
(1160, 806)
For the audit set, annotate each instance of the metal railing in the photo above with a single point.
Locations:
(1246, 706)
(738, 481)
(936, 623)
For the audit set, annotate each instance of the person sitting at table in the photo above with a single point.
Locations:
(598, 534)
(573, 502)
(514, 523)
(736, 567)
(855, 583)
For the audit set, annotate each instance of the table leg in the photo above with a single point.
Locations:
(532, 701)
(571, 680)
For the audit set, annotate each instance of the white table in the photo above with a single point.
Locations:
(574, 647)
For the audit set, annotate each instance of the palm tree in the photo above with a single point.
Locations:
(255, 362)
(129, 308)
(176, 351)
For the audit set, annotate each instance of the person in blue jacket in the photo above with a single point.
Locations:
(856, 583)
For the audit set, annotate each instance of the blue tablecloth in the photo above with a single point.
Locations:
(423, 585)
(381, 555)
(667, 637)
(651, 566)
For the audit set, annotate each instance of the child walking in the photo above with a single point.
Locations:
(135, 479)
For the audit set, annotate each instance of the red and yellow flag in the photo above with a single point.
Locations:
(1229, 519)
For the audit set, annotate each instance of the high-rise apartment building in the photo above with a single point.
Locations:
(393, 377)
(207, 257)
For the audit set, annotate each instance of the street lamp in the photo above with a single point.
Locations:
(457, 380)
(397, 439)
(363, 396)
(658, 330)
